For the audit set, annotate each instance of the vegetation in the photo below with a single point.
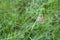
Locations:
(18, 20)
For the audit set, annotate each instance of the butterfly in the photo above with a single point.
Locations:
(40, 19)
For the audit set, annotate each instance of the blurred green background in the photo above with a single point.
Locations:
(18, 20)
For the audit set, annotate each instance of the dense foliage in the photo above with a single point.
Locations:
(18, 20)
